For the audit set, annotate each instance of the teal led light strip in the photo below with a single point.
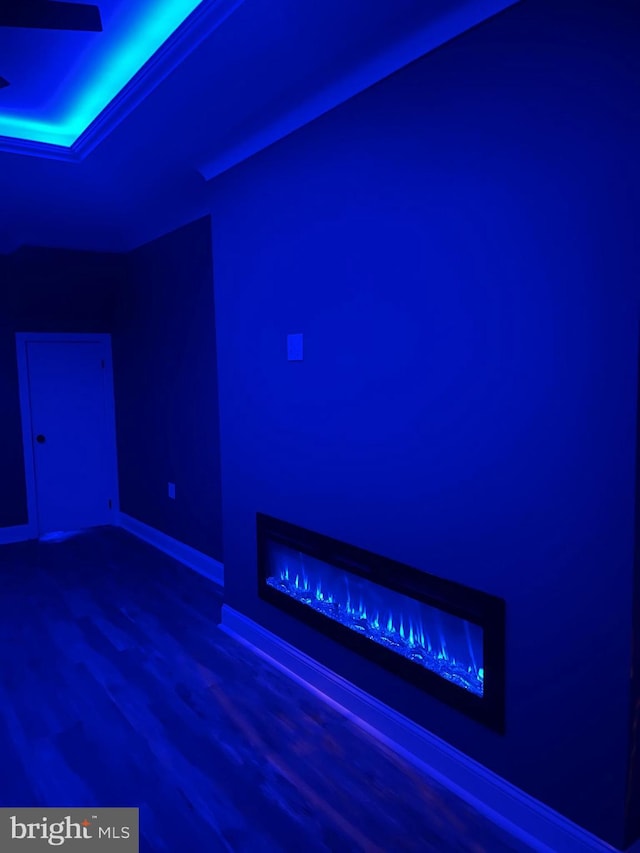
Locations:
(108, 71)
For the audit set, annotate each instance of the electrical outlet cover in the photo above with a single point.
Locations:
(294, 347)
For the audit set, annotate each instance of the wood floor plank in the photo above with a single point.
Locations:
(118, 688)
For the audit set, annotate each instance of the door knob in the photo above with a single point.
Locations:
(40, 439)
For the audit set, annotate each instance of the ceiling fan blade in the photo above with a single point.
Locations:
(51, 15)
(3, 83)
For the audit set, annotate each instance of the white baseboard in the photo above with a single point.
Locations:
(20, 533)
(519, 814)
(185, 554)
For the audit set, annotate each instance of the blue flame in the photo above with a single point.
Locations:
(407, 627)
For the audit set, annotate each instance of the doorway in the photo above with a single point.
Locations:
(68, 430)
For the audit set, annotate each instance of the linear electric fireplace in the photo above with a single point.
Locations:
(446, 638)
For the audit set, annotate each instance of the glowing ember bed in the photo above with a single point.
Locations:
(446, 638)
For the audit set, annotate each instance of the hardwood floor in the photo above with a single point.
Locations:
(117, 688)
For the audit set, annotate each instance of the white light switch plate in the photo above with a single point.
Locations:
(294, 347)
(172, 491)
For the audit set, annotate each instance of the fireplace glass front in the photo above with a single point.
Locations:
(443, 643)
(447, 638)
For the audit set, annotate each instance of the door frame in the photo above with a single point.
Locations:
(24, 338)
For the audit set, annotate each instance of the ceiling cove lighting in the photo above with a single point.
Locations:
(112, 67)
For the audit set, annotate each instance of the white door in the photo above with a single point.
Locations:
(73, 450)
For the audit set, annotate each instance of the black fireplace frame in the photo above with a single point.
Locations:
(481, 608)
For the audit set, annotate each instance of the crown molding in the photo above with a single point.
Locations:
(11, 145)
(392, 59)
(203, 21)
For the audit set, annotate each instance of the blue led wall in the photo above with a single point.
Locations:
(164, 356)
(458, 245)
